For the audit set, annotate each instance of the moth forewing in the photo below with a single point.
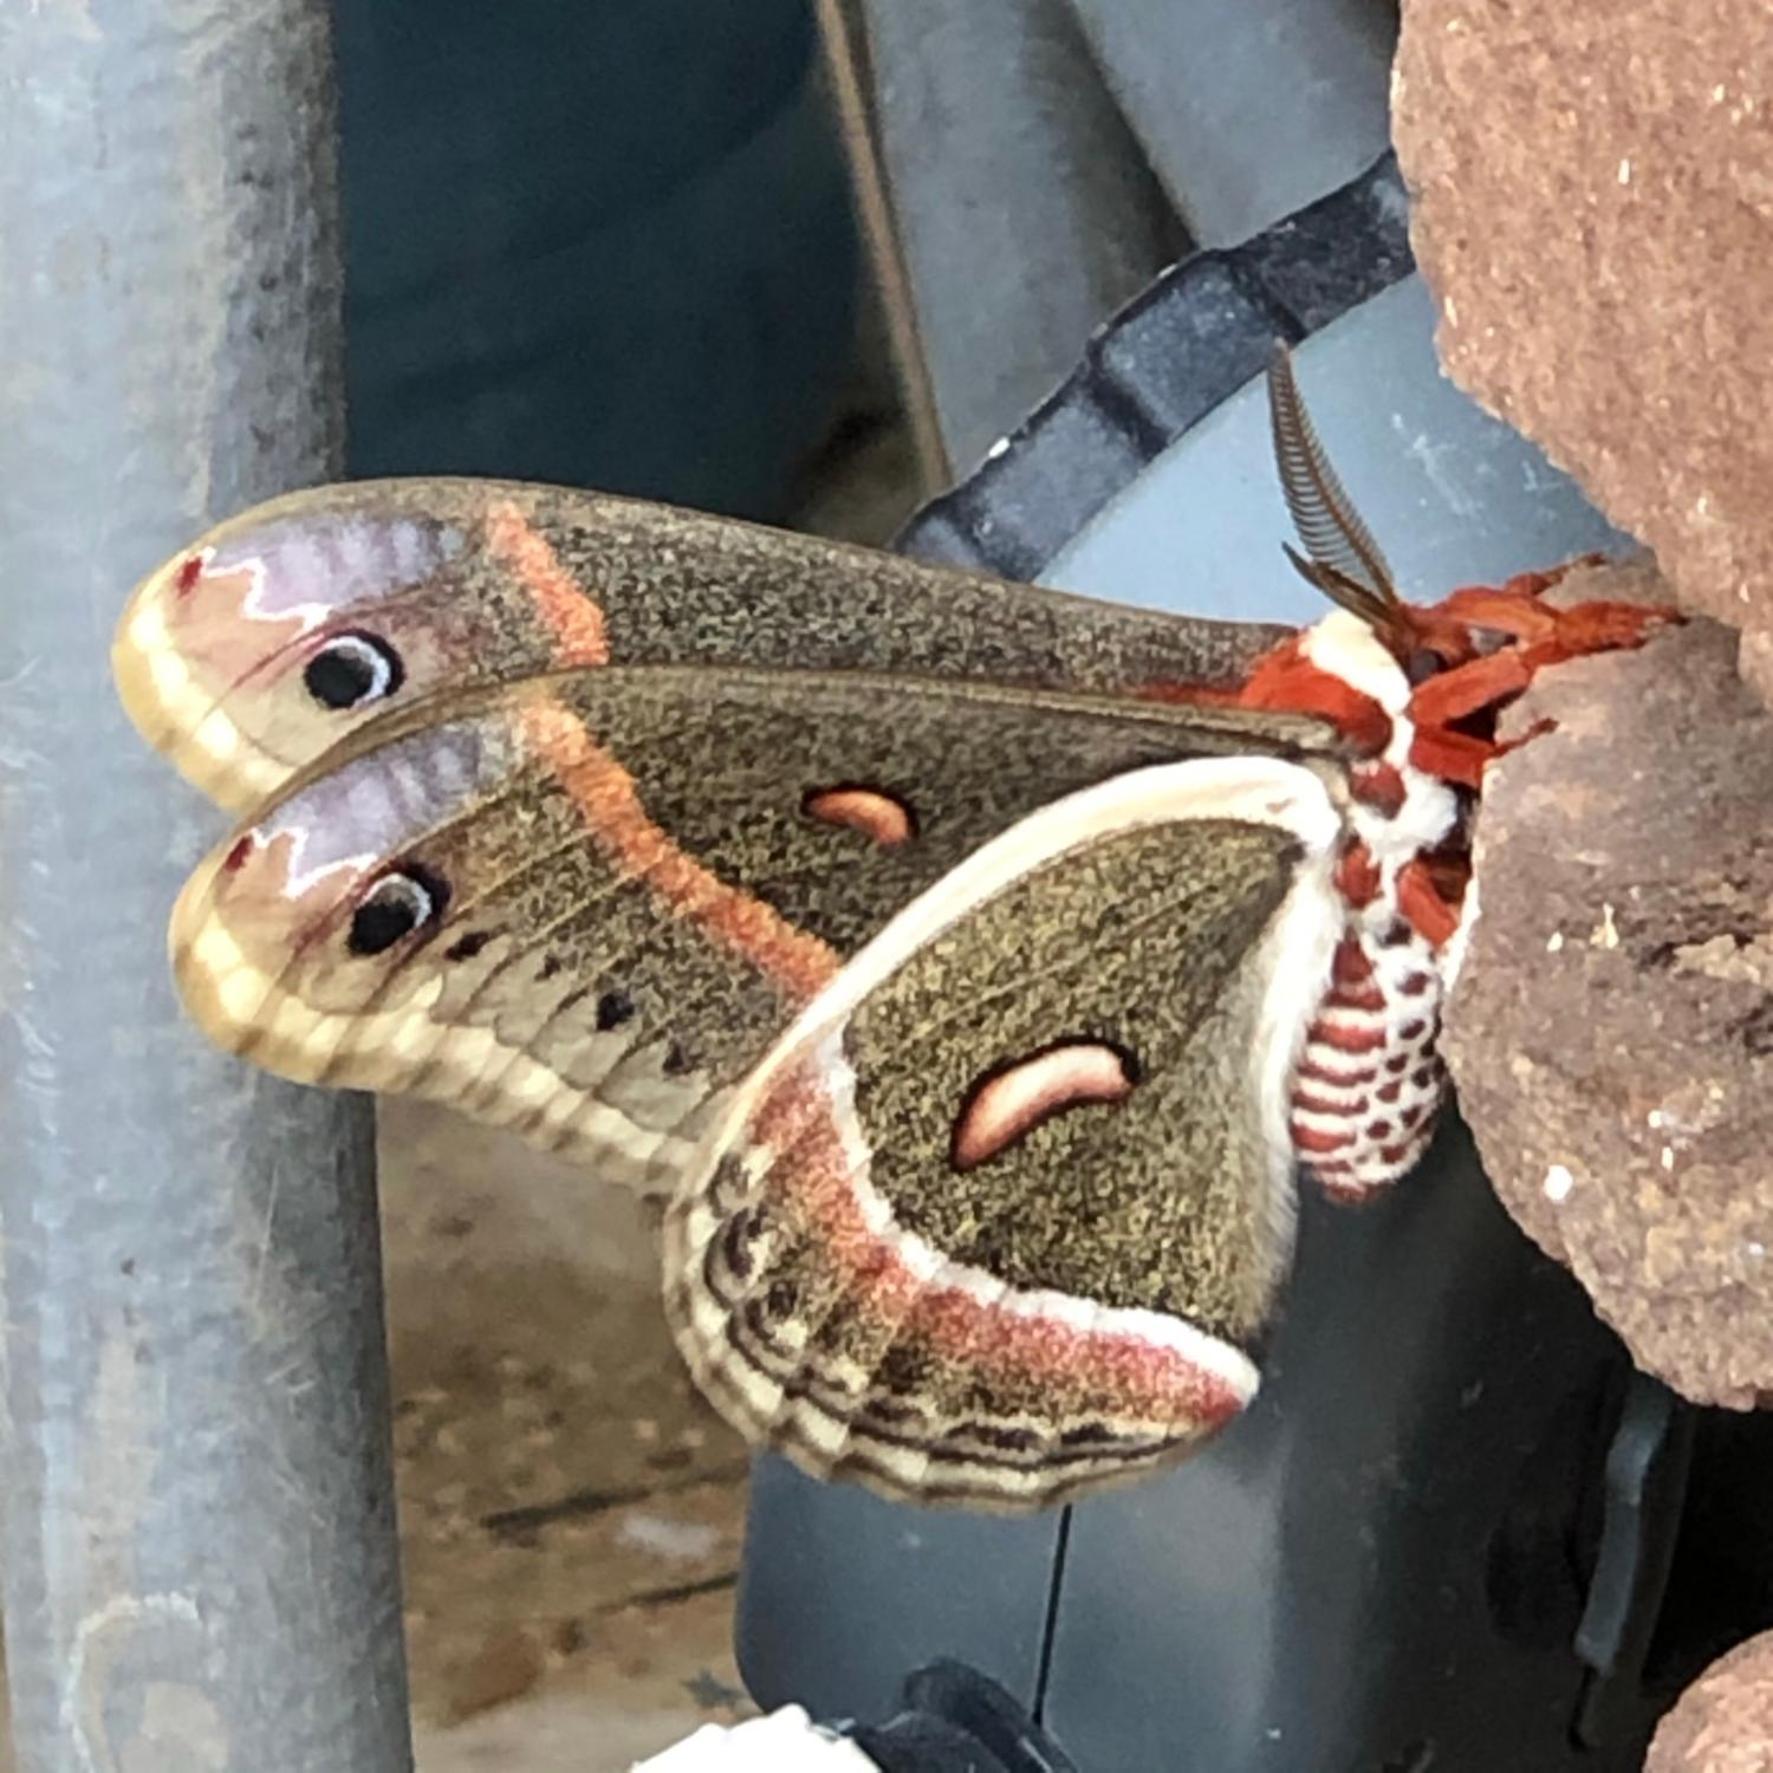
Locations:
(252, 651)
(583, 905)
(844, 1290)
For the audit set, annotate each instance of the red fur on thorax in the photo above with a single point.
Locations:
(1286, 681)
(1380, 785)
(1357, 875)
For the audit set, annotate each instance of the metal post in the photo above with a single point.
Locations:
(1019, 206)
(1248, 112)
(200, 1565)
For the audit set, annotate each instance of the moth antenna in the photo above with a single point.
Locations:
(1335, 537)
(1341, 589)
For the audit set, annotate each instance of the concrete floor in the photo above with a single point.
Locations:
(571, 1513)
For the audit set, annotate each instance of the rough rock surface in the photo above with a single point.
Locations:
(1593, 206)
(1724, 1721)
(1611, 1032)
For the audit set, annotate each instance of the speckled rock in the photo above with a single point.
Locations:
(1611, 1033)
(1593, 207)
(1724, 1721)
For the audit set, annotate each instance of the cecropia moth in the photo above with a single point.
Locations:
(971, 963)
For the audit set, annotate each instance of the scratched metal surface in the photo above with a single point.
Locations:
(198, 1553)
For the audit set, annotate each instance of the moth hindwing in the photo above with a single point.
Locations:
(1001, 1218)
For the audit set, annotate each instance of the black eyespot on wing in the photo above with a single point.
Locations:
(677, 1061)
(352, 669)
(400, 904)
(613, 1009)
(468, 946)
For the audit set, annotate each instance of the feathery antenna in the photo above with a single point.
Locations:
(1341, 558)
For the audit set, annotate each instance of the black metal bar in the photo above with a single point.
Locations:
(199, 1553)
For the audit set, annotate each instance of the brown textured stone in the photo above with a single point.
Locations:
(1593, 206)
(1611, 1033)
(1724, 1721)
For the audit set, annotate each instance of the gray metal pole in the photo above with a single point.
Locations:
(1249, 111)
(200, 1567)
(1022, 208)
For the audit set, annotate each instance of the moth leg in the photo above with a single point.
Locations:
(1425, 903)
(1469, 689)
(1544, 636)
(1517, 609)
(1603, 627)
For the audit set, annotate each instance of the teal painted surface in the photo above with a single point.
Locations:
(606, 244)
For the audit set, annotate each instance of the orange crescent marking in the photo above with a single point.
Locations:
(608, 802)
(562, 602)
(875, 814)
(1013, 1102)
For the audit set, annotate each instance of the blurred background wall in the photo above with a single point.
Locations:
(604, 244)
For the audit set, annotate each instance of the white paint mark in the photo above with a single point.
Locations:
(1606, 932)
(1625, 171)
(128, 1611)
(1435, 459)
(1558, 1183)
(684, 1542)
(1554, 943)
(1668, 1157)
(787, 1741)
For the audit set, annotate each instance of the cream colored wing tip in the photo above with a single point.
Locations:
(139, 630)
(173, 714)
(194, 946)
